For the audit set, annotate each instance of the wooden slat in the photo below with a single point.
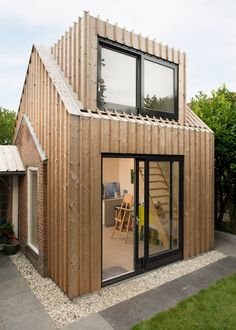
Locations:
(155, 140)
(212, 191)
(208, 187)
(140, 138)
(95, 205)
(85, 245)
(192, 196)
(187, 219)
(203, 193)
(197, 158)
(66, 55)
(75, 210)
(70, 62)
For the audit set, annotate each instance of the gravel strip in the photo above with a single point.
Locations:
(64, 311)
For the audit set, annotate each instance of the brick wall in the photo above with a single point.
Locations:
(31, 158)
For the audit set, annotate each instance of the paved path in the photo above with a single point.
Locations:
(143, 306)
(19, 307)
(21, 310)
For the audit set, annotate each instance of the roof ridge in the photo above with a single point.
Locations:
(37, 143)
(197, 119)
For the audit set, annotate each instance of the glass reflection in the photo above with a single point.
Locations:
(158, 87)
(118, 80)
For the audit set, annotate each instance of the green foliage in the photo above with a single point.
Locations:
(219, 113)
(212, 308)
(7, 123)
(165, 104)
(7, 233)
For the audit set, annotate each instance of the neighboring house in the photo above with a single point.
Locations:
(103, 113)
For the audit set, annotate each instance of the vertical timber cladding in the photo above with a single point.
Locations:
(76, 53)
(99, 135)
(50, 120)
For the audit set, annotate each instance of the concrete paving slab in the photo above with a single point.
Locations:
(202, 278)
(229, 263)
(2, 326)
(179, 289)
(18, 305)
(93, 322)
(8, 273)
(225, 247)
(154, 301)
(206, 276)
(123, 315)
(34, 320)
(4, 261)
(13, 287)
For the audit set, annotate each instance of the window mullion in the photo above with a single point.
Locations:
(141, 87)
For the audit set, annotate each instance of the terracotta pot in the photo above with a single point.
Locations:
(10, 249)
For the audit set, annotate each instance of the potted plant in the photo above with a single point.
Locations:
(8, 239)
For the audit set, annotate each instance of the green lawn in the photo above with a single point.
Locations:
(212, 308)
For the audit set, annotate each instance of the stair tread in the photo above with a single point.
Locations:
(161, 188)
(156, 181)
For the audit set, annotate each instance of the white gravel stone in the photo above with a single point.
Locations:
(64, 311)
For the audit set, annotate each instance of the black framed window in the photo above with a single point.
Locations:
(133, 81)
(117, 86)
(158, 87)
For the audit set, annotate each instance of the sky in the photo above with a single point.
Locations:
(204, 29)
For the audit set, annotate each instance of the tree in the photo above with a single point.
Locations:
(7, 123)
(165, 104)
(219, 113)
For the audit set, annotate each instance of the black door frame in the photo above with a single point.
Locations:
(143, 265)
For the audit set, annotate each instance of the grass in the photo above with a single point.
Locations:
(212, 308)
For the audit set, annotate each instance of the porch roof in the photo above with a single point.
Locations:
(10, 160)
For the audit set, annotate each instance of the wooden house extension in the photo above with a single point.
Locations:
(89, 149)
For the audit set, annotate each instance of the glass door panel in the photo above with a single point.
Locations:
(159, 207)
(175, 202)
(158, 211)
(141, 210)
(158, 192)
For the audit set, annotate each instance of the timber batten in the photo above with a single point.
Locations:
(60, 99)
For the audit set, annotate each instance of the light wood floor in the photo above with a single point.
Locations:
(119, 255)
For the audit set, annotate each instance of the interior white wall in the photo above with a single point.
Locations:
(110, 170)
(119, 170)
(125, 166)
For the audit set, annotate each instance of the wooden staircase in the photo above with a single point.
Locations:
(159, 203)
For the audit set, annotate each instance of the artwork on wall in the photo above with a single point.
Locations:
(132, 175)
(111, 188)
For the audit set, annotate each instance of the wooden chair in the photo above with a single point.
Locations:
(124, 215)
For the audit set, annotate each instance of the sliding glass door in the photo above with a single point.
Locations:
(158, 206)
(142, 213)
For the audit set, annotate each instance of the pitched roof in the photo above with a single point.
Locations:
(38, 145)
(64, 89)
(10, 160)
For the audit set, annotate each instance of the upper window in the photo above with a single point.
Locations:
(158, 87)
(135, 82)
(118, 80)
